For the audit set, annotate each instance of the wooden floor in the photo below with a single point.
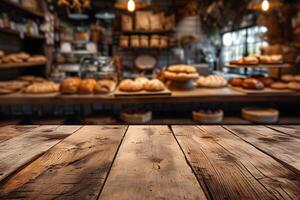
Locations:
(149, 162)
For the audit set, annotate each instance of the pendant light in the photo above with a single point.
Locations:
(132, 5)
(265, 5)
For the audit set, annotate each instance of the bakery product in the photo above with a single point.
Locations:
(271, 59)
(297, 78)
(13, 85)
(208, 116)
(136, 116)
(42, 88)
(279, 86)
(181, 73)
(287, 77)
(154, 85)
(142, 80)
(213, 81)
(252, 84)
(86, 86)
(70, 85)
(261, 115)
(37, 58)
(131, 86)
(266, 81)
(104, 86)
(294, 86)
(250, 60)
(236, 82)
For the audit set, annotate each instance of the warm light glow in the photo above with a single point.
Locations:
(265, 5)
(131, 5)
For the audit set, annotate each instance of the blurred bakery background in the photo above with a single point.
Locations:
(149, 62)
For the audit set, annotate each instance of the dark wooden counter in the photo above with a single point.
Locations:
(150, 162)
(194, 96)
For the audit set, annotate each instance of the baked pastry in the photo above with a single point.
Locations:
(266, 81)
(136, 116)
(70, 85)
(236, 82)
(252, 84)
(131, 86)
(23, 56)
(271, 59)
(294, 86)
(182, 69)
(154, 85)
(261, 115)
(86, 86)
(142, 80)
(2, 54)
(208, 116)
(279, 86)
(297, 78)
(13, 85)
(250, 60)
(287, 78)
(42, 88)
(181, 73)
(213, 81)
(104, 86)
(37, 58)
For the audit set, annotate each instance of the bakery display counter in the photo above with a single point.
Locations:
(192, 96)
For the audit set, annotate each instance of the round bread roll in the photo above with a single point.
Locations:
(87, 86)
(279, 86)
(287, 78)
(70, 85)
(104, 86)
(252, 84)
(236, 82)
(131, 86)
(154, 85)
(266, 81)
(294, 86)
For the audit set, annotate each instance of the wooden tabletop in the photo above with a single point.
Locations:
(150, 162)
(192, 96)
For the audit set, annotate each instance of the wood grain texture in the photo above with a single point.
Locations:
(74, 169)
(289, 130)
(282, 147)
(21, 150)
(229, 168)
(11, 131)
(150, 165)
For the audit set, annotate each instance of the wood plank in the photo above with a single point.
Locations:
(19, 151)
(281, 147)
(150, 165)
(74, 169)
(232, 169)
(289, 130)
(8, 132)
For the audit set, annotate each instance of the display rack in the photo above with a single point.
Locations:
(16, 33)
(21, 9)
(21, 65)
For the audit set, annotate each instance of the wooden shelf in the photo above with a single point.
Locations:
(16, 33)
(22, 9)
(284, 65)
(20, 65)
(146, 32)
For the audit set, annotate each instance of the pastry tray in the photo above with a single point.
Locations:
(165, 92)
(268, 91)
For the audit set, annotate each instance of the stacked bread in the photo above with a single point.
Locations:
(21, 58)
(181, 73)
(254, 60)
(288, 81)
(140, 84)
(74, 85)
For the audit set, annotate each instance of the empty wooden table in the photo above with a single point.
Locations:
(150, 162)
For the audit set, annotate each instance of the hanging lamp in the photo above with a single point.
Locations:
(264, 5)
(139, 4)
